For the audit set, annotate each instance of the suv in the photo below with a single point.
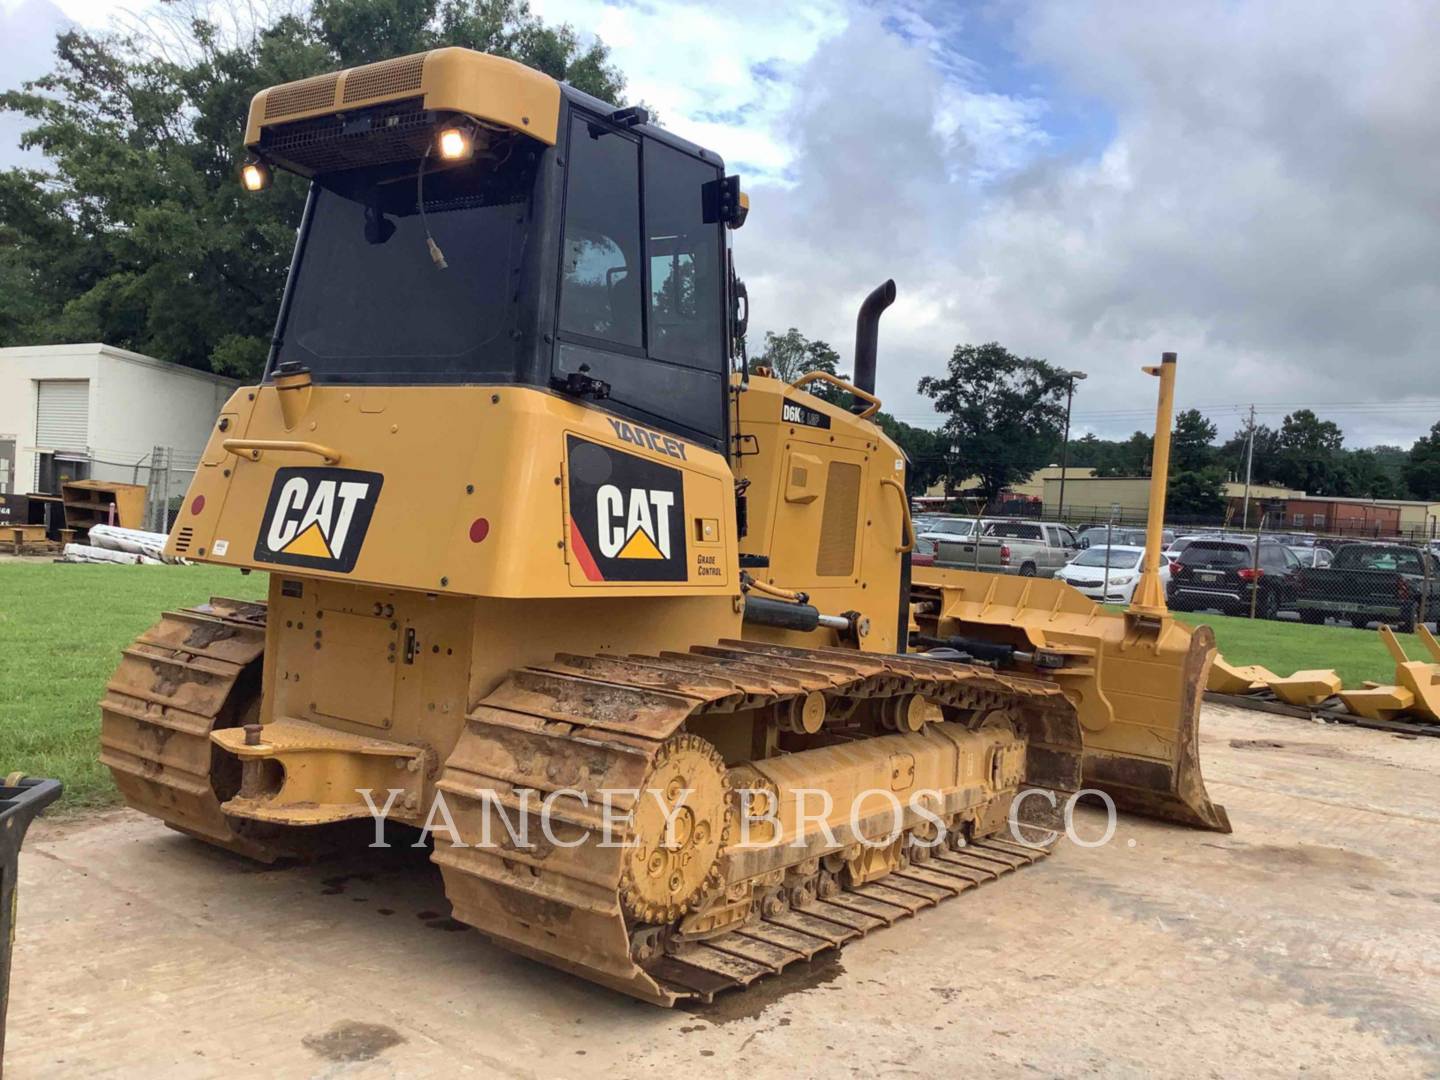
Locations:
(1223, 574)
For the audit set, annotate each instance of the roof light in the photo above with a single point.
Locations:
(255, 176)
(455, 144)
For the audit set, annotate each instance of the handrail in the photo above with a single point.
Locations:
(253, 448)
(909, 544)
(825, 376)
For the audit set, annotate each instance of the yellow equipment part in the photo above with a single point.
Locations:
(1420, 679)
(1305, 688)
(1378, 702)
(1227, 678)
(1136, 682)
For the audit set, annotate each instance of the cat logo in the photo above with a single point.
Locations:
(626, 515)
(642, 531)
(317, 518)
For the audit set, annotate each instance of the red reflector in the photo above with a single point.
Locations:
(479, 529)
(197, 504)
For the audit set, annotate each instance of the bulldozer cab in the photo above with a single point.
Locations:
(595, 264)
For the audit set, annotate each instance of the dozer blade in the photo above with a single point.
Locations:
(1136, 682)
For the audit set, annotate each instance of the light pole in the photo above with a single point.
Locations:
(1073, 377)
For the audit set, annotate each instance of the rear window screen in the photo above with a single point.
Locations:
(1208, 553)
(1016, 531)
(1368, 558)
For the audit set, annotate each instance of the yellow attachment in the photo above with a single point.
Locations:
(1148, 600)
(489, 88)
(1416, 676)
(1305, 688)
(1226, 678)
(1135, 683)
(1378, 702)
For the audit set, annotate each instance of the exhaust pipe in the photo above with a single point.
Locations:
(867, 334)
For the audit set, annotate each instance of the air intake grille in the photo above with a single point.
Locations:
(398, 131)
(399, 76)
(183, 538)
(303, 96)
(838, 521)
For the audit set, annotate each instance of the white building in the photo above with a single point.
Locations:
(95, 412)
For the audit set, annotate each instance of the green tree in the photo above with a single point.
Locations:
(1190, 442)
(1003, 413)
(1364, 472)
(1309, 453)
(792, 354)
(137, 233)
(1196, 493)
(1265, 466)
(1422, 466)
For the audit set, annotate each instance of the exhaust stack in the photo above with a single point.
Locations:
(867, 333)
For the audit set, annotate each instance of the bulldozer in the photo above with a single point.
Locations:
(626, 627)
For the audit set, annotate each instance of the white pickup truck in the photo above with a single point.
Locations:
(1026, 548)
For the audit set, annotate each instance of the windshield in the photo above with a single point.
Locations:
(1120, 558)
(370, 302)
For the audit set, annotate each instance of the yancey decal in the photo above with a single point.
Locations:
(647, 439)
(792, 412)
(317, 518)
(627, 515)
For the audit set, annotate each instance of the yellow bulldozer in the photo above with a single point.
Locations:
(629, 629)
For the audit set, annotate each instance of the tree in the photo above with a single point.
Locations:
(1309, 452)
(1265, 465)
(138, 233)
(1196, 493)
(1003, 413)
(1190, 449)
(1422, 466)
(792, 354)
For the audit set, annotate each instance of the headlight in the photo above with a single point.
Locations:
(254, 176)
(455, 145)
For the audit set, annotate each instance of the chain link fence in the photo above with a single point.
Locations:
(164, 473)
(1343, 580)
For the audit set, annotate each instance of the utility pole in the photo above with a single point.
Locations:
(1065, 446)
(1249, 463)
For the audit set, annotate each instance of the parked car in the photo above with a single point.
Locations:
(1312, 557)
(1027, 548)
(1120, 536)
(1222, 574)
(1086, 572)
(1398, 584)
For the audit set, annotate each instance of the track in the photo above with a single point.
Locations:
(196, 670)
(596, 723)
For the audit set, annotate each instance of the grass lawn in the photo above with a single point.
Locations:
(1287, 647)
(61, 630)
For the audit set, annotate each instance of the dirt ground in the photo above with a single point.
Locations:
(1309, 941)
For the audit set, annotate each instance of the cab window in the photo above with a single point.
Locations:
(601, 290)
(684, 259)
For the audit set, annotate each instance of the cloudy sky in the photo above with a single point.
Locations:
(1255, 186)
